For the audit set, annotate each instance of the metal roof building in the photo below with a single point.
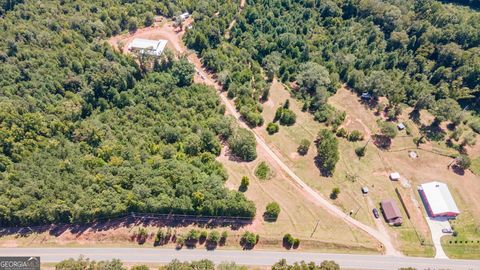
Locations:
(147, 46)
(391, 212)
(437, 200)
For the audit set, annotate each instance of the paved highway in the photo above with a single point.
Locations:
(256, 257)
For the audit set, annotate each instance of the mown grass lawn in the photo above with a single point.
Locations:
(466, 245)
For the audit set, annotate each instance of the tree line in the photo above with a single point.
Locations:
(85, 263)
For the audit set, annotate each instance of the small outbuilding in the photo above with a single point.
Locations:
(148, 46)
(438, 200)
(400, 126)
(395, 176)
(184, 16)
(391, 212)
(365, 190)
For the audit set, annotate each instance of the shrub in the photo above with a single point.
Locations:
(249, 239)
(142, 235)
(463, 162)
(203, 235)
(327, 152)
(475, 126)
(244, 183)
(288, 238)
(360, 151)
(272, 210)
(355, 136)
(288, 117)
(224, 237)
(262, 171)
(342, 133)
(289, 241)
(193, 235)
(139, 267)
(469, 139)
(159, 236)
(180, 240)
(296, 243)
(213, 237)
(251, 116)
(408, 129)
(243, 144)
(305, 106)
(278, 114)
(272, 128)
(388, 130)
(417, 141)
(162, 237)
(335, 192)
(265, 94)
(391, 115)
(303, 147)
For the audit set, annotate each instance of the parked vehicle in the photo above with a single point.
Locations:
(366, 96)
(447, 231)
(375, 213)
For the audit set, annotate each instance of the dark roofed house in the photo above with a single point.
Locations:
(391, 212)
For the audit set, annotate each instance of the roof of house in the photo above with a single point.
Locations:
(156, 46)
(390, 210)
(400, 126)
(439, 198)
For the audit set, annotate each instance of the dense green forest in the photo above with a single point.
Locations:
(422, 53)
(84, 133)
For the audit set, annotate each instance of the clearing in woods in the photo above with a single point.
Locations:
(413, 237)
(298, 217)
(318, 229)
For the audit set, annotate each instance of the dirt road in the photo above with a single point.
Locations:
(168, 32)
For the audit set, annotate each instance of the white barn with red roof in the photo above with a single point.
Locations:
(438, 200)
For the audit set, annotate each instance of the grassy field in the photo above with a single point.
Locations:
(475, 167)
(372, 170)
(467, 243)
(125, 237)
(317, 229)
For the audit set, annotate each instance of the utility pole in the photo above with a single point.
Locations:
(314, 229)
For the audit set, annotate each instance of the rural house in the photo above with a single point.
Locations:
(438, 200)
(391, 212)
(147, 46)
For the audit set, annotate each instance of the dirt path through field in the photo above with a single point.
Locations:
(232, 23)
(167, 31)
